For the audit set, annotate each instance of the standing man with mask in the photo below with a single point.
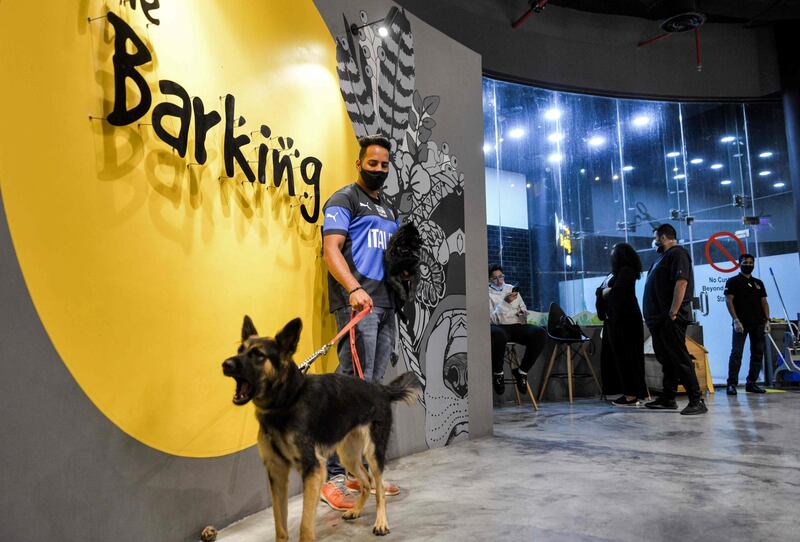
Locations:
(746, 299)
(667, 313)
(359, 221)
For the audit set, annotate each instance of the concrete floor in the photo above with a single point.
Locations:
(593, 472)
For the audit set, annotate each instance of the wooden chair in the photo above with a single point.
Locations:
(512, 360)
(563, 346)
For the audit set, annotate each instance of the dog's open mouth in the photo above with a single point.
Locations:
(244, 392)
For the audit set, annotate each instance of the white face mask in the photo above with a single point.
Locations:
(656, 244)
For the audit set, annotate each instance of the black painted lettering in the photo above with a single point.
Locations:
(233, 145)
(182, 112)
(281, 165)
(147, 7)
(125, 68)
(311, 179)
(202, 124)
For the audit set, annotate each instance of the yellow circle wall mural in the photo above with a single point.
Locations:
(163, 166)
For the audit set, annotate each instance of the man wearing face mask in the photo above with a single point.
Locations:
(667, 312)
(359, 221)
(746, 299)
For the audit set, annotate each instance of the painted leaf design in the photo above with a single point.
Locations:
(418, 102)
(431, 104)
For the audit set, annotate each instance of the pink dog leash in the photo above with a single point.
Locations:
(350, 327)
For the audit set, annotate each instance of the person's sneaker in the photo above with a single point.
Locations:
(662, 403)
(625, 402)
(521, 380)
(754, 388)
(694, 408)
(730, 390)
(336, 495)
(389, 489)
(498, 384)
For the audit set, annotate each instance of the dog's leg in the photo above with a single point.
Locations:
(350, 453)
(278, 473)
(381, 526)
(312, 485)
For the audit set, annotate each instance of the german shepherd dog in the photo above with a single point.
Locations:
(303, 419)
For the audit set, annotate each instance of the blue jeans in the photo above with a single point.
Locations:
(375, 344)
(756, 334)
(374, 341)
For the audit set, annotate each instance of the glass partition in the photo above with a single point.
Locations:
(569, 175)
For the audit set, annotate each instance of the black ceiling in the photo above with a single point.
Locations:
(754, 12)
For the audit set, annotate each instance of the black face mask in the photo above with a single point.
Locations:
(747, 269)
(373, 179)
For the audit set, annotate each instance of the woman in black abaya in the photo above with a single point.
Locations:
(624, 324)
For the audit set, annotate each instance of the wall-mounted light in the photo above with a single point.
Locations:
(383, 29)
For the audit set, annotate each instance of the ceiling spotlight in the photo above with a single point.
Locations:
(382, 31)
(552, 114)
(726, 139)
(555, 137)
(583, 171)
(696, 161)
(675, 168)
(615, 177)
(554, 158)
(673, 154)
(765, 154)
(726, 182)
(679, 176)
(627, 168)
(596, 141)
(641, 120)
(716, 166)
(597, 178)
(779, 184)
(527, 185)
(516, 133)
(487, 147)
(764, 173)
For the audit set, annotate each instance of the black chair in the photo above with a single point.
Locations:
(565, 335)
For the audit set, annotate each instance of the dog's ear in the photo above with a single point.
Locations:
(289, 336)
(248, 329)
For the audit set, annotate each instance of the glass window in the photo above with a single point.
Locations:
(569, 175)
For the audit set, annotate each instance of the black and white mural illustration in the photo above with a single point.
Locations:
(377, 81)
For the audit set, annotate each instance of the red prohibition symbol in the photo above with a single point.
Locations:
(713, 241)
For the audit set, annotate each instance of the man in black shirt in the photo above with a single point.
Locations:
(746, 299)
(667, 313)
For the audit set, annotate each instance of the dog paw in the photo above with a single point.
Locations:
(350, 515)
(380, 530)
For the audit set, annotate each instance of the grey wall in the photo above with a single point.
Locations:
(592, 52)
(444, 68)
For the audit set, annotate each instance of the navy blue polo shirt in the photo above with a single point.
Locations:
(367, 224)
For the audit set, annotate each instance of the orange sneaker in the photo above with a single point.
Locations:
(336, 495)
(389, 489)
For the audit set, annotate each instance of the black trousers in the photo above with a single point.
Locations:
(756, 334)
(530, 336)
(669, 344)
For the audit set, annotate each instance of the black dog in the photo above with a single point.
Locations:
(304, 418)
(401, 264)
